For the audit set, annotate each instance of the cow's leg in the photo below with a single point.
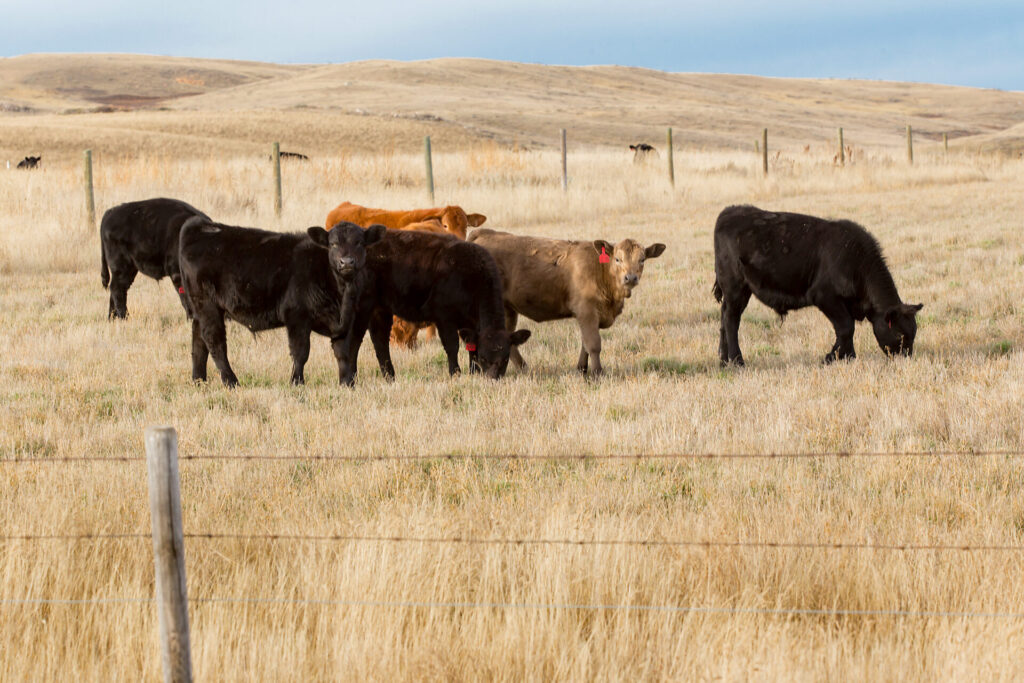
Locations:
(346, 350)
(380, 335)
(449, 336)
(214, 335)
(591, 333)
(199, 353)
(843, 323)
(733, 305)
(511, 320)
(122, 275)
(298, 346)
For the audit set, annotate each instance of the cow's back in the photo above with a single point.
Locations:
(540, 276)
(147, 232)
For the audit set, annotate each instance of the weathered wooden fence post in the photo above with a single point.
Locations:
(430, 168)
(90, 202)
(910, 145)
(276, 154)
(842, 150)
(671, 163)
(169, 553)
(945, 143)
(764, 151)
(565, 165)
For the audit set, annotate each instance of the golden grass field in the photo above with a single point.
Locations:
(75, 384)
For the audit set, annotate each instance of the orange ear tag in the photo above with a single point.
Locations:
(603, 258)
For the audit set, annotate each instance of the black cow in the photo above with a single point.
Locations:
(29, 162)
(305, 282)
(141, 236)
(642, 152)
(428, 277)
(789, 261)
(291, 155)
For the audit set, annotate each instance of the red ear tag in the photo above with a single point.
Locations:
(603, 258)
(181, 290)
(471, 347)
(890, 324)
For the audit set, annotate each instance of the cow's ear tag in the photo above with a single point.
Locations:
(181, 290)
(471, 347)
(890, 324)
(603, 258)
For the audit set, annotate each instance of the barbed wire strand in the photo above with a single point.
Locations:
(463, 540)
(535, 606)
(526, 457)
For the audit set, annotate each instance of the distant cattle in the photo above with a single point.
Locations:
(291, 155)
(643, 152)
(424, 277)
(546, 279)
(305, 282)
(30, 162)
(452, 218)
(789, 261)
(141, 237)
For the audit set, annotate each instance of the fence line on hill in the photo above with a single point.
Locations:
(168, 538)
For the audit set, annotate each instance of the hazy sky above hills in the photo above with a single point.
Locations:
(977, 43)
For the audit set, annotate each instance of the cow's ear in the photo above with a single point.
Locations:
(604, 244)
(655, 250)
(318, 235)
(374, 234)
(468, 335)
(476, 219)
(518, 337)
(912, 309)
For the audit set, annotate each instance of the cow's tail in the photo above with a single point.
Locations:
(104, 271)
(716, 289)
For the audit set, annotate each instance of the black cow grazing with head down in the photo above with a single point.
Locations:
(305, 282)
(642, 152)
(428, 277)
(789, 261)
(141, 237)
(29, 162)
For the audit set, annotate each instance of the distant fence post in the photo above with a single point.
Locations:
(764, 151)
(276, 154)
(430, 168)
(910, 145)
(169, 553)
(671, 163)
(945, 143)
(565, 165)
(90, 202)
(842, 150)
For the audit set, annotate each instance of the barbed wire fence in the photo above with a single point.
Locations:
(169, 539)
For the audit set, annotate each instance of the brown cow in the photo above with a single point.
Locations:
(452, 218)
(545, 279)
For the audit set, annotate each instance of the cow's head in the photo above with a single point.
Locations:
(489, 349)
(625, 262)
(346, 246)
(896, 328)
(456, 222)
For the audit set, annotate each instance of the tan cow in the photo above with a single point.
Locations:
(452, 218)
(546, 279)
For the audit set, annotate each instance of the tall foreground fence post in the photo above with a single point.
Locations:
(430, 168)
(169, 553)
(671, 163)
(764, 151)
(276, 154)
(90, 202)
(910, 145)
(565, 165)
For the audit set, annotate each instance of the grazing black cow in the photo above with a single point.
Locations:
(642, 152)
(291, 155)
(141, 237)
(428, 277)
(789, 261)
(29, 162)
(306, 282)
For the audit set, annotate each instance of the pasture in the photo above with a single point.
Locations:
(74, 384)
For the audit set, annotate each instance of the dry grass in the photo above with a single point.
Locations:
(75, 384)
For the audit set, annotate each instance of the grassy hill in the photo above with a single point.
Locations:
(136, 104)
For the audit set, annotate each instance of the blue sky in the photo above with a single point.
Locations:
(978, 44)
